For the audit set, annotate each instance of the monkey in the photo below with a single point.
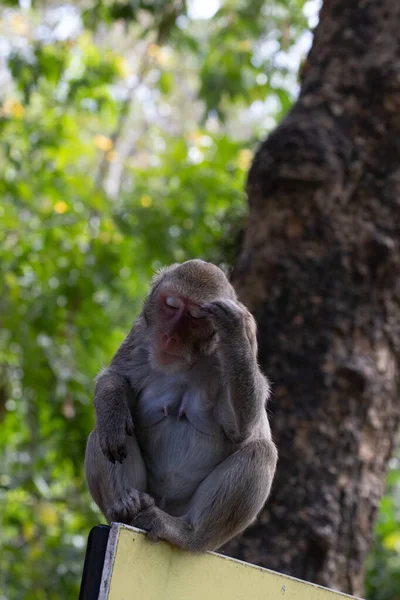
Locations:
(182, 446)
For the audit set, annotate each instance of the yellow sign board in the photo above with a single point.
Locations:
(137, 569)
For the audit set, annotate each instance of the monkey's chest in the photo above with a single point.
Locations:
(181, 445)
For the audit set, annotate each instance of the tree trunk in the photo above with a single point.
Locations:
(319, 268)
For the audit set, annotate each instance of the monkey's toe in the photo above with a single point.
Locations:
(125, 509)
(146, 501)
(149, 520)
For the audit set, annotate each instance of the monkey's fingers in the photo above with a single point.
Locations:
(128, 505)
(153, 536)
(113, 450)
(224, 312)
(106, 451)
(148, 520)
(146, 501)
(121, 453)
(213, 308)
(144, 518)
(129, 426)
(109, 456)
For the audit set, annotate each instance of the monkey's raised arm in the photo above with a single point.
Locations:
(247, 389)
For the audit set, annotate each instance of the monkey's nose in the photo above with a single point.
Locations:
(169, 341)
(169, 338)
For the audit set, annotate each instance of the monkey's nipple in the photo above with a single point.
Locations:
(182, 411)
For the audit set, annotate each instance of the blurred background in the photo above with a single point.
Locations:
(127, 131)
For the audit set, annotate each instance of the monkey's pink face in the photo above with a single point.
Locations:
(184, 332)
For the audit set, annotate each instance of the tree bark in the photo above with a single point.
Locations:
(319, 268)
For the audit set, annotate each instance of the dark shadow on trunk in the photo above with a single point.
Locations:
(319, 267)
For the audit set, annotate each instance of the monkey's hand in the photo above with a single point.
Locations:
(229, 319)
(112, 431)
(113, 417)
(246, 388)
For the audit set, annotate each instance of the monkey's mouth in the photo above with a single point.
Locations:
(163, 357)
(169, 355)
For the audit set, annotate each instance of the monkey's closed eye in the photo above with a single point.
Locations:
(196, 312)
(173, 302)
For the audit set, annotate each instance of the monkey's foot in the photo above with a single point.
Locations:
(159, 525)
(128, 506)
(150, 520)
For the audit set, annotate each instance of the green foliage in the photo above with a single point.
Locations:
(383, 565)
(74, 265)
(231, 67)
(124, 146)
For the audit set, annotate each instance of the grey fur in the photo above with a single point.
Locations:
(195, 458)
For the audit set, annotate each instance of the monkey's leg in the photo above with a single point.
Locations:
(118, 489)
(225, 503)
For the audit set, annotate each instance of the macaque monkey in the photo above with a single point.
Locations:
(182, 445)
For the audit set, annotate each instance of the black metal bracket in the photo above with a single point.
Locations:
(94, 561)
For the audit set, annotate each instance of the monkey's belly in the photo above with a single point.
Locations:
(178, 458)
